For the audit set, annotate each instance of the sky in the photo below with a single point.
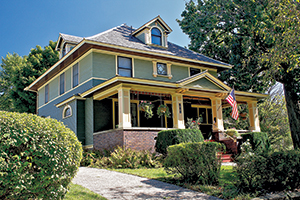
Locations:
(25, 24)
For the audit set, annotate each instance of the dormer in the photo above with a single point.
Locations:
(66, 43)
(155, 33)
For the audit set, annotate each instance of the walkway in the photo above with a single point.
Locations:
(115, 185)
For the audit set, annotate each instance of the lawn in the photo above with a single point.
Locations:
(225, 189)
(81, 193)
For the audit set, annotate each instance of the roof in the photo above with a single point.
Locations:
(122, 36)
(68, 38)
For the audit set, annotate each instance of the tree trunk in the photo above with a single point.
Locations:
(293, 114)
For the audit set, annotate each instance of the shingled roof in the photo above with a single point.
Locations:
(122, 36)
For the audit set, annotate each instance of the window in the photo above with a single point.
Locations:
(161, 69)
(124, 66)
(62, 83)
(75, 75)
(46, 93)
(194, 71)
(67, 112)
(156, 36)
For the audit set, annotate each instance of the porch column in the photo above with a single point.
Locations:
(178, 114)
(253, 116)
(217, 114)
(124, 107)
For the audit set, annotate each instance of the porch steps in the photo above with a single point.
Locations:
(226, 158)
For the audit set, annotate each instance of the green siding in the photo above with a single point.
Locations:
(179, 72)
(143, 69)
(81, 121)
(104, 65)
(103, 115)
(68, 78)
(204, 83)
(41, 96)
(215, 74)
(85, 68)
(53, 88)
(141, 37)
(89, 121)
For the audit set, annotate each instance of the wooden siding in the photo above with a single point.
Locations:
(104, 65)
(89, 121)
(86, 69)
(68, 79)
(204, 83)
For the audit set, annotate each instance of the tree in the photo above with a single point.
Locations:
(255, 37)
(18, 73)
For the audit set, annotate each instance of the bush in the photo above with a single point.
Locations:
(90, 156)
(176, 136)
(259, 141)
(38, 157)
(195, 162)
(127, 158)
(269, 171)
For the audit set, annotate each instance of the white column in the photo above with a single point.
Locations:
(124, 108)
(178, 113)
(253, 116)
(217, 114)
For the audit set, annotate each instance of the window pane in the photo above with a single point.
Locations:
(209, 116)
(161, 69)
(124, 62)
(194, 71)
(156, 40)
(46, 93)
(202, 112)
(125, 72)
(68, 112)
(75, 75)
(156, 32)
(62, 84)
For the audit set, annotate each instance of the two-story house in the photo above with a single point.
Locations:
(98, 83)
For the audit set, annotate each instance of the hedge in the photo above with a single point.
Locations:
(195, 162)
(38, 157)
(166, 138)
(259, 140)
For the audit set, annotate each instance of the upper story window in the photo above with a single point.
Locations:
(124, 66)
(75, 75)
(156, 36)
(62, 83)
(162, 69)
(194, 71)
(46, 93)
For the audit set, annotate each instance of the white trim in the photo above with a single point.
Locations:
(64, 110)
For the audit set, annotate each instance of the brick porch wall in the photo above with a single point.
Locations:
(132, 138)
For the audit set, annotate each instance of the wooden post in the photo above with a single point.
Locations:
(253, 116)
(217, 114)
(178, 113)
(124, 108)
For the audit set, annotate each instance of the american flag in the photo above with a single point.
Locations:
(231, 100)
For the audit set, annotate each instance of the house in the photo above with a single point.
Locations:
(98, 83)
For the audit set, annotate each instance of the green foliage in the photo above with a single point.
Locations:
(193, 124)
(81, 193)
(19, 72)
(89, 156)
(125, 158)
(163, 110)
(259, 38)
(147, 108)
(259, 141)
(232, 132)
(166, 138)
(195, 162)
(238, 124)
(38, 157)
(268, 171)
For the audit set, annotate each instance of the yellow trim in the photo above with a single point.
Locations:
(88, 146)
(106, 93)
(68, 100)
(64, 110)
(200, 106)
(150, 22)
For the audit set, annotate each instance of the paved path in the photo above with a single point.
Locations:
(115, 185)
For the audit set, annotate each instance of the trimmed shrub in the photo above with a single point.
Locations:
(195, 162)
(176, 136)
(126, 158)
(269, 171)
(259, 141)
(38, 157)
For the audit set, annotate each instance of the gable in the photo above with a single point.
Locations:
(204, 83)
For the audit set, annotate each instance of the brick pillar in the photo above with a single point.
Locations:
(178, 113)
(124, 107)
(253, 116)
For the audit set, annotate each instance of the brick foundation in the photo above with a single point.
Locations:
(137, 139)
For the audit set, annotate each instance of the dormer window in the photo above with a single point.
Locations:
(156, 36)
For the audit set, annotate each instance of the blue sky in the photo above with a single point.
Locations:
(25, 24)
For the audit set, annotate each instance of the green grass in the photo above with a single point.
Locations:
(81, 193)
(225, 190)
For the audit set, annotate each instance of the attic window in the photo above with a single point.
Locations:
(194, 71)
(156, 36)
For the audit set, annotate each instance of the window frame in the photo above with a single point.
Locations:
(62, 83)
(124, 68)
(75, 75)
(46, 93)
(153, 35)
(65, 110)
(166, 69)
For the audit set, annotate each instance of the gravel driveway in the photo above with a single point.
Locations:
(115, 185)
